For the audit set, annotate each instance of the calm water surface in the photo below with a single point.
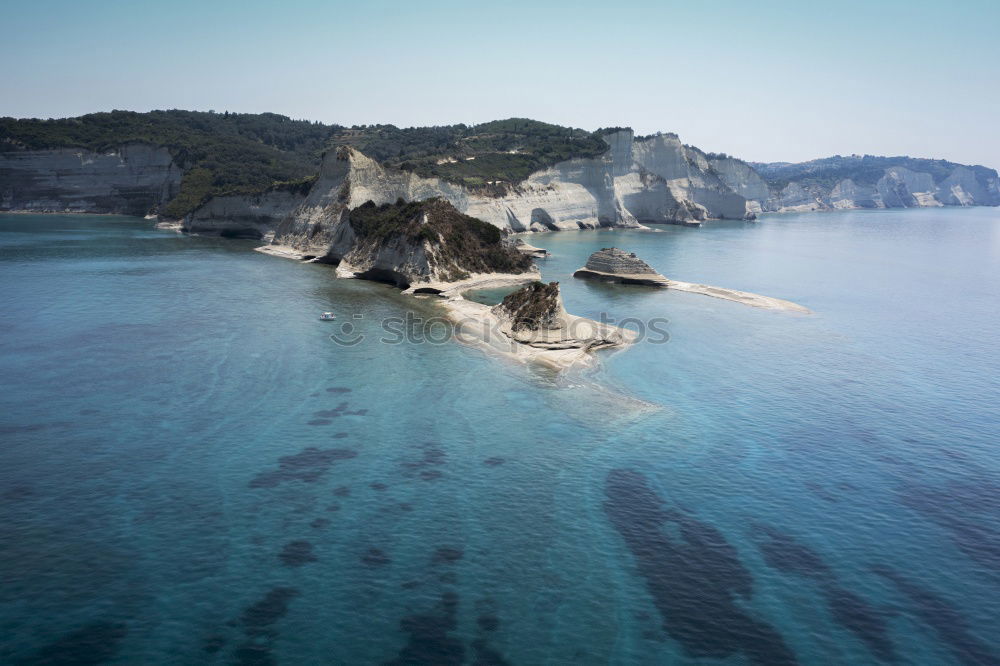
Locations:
(192, 471)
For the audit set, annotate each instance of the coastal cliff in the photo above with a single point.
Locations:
(243, 215)
(135, 179)
(247, 175)
(426, 246)
(875, 182)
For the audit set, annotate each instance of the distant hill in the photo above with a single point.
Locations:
(219, 152)
(864, 170)
(175, 163)
(237, 153)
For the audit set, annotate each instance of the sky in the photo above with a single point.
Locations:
(764, 81)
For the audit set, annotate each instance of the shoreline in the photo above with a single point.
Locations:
(287, 252)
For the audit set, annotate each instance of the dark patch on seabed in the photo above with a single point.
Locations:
(429, 640)
(297, 553)
(94, 643)
(338, 411)
(424, 467)
(375, 557)
(308, 466)
(213, 644)
(494, 462)
(939, 615)
(486, 623)
(16, 493)
(446, 555)
(694, 578)
(257, 621)
(783, 552)
(486, 655)
(965, 510)
(338, 389)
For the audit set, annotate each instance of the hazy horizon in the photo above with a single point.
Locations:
(775, 81)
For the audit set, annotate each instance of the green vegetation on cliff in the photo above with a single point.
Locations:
(239, 153)
(459, 244)
(221, 153)
(531, 307)
(490, 155)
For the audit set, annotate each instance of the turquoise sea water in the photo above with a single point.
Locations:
(192, 471)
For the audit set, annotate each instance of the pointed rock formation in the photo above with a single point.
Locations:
(531, 324)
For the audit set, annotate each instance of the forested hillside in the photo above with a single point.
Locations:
(227, 153)
(862, 169)
(507, 151)
(219, 152)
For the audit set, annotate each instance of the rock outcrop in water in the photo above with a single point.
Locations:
(533, 308)
(135, 179)
(526, 248)
(531, 324)
(613, 265)
(425, 245)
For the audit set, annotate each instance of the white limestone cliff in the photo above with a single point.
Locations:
(897, 187)
(655, 180)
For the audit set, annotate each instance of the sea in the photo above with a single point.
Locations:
(194, 469)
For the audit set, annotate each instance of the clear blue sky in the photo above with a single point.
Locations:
(760, 80)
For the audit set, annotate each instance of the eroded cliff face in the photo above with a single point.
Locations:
(134, 180)
(243, 216)
(895, 187)
(656, 180)
(417, 243)
(741, 178)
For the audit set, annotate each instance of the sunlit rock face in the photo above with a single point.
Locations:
(653, 180)
(874, 182)
(613, 265)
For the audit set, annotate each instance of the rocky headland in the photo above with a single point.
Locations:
(419, 246)
(428, 247)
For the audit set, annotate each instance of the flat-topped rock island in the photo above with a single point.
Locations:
(611, 264)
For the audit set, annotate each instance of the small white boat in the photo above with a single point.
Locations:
(327, 316)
